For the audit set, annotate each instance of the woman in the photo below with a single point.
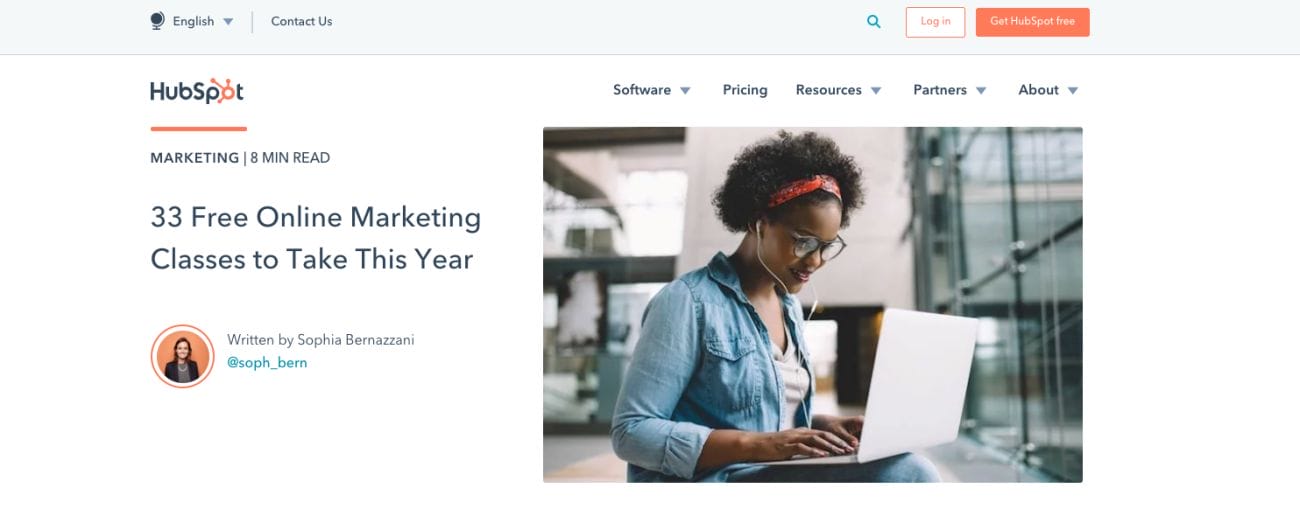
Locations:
(182, 369)
(720, 377)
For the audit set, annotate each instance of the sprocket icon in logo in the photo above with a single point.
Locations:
(227, 91)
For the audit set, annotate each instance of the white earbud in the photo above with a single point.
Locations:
(759, 253)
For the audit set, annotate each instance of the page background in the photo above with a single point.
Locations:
(1188, 192)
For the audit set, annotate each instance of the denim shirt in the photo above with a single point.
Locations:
(703, 362)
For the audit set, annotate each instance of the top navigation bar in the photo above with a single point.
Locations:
(750, 27)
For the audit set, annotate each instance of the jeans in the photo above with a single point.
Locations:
(903, 468)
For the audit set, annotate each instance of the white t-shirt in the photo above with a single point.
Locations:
(796, 380)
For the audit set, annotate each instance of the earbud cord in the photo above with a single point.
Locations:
(758, 253)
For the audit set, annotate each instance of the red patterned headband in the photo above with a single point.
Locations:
(799, 188)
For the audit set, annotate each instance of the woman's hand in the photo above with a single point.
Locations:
(777, 446)
(846, 427)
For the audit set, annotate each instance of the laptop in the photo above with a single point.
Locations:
(918, 386)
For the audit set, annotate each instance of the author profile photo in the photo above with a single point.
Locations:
(182, 368)
(182, 356)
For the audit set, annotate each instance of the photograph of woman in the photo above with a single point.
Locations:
(720, 379)
(182, 369)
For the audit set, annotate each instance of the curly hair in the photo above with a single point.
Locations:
(766, 166)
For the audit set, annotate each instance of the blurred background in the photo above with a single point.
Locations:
(978, 222)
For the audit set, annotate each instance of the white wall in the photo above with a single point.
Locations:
(875, 269)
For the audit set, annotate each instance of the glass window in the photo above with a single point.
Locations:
(1002, 240)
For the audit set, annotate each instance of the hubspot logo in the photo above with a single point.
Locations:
(207, 92)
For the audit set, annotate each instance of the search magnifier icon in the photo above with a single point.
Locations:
(873, 21)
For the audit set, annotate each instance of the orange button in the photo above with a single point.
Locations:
(1031, 21)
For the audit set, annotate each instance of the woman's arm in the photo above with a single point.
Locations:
(725, 447)
(665, 358)
(666, 355)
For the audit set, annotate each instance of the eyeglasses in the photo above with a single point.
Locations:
(805, 245)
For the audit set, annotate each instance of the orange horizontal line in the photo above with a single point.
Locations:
(191, 129)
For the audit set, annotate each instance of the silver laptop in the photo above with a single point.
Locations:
(918, 386)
